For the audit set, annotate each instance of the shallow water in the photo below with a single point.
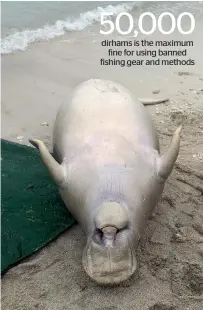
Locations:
(26, 22)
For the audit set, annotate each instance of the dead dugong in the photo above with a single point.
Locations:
(109, 172)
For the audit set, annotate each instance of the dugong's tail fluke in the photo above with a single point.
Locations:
(54, 168)
(149, 101)
(167, 161)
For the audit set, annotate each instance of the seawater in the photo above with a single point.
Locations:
(23, 23)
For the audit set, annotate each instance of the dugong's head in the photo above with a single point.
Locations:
(109, 256)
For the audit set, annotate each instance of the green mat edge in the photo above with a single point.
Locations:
(3, 271)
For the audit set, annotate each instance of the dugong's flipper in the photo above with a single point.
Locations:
(167, 161)
(52, 165)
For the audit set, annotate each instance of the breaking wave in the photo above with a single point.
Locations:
(19, 41)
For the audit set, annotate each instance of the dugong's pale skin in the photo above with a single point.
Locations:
(109, 172)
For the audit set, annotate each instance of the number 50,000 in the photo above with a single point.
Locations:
(155, 23)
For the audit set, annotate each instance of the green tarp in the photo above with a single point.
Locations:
(32, 213)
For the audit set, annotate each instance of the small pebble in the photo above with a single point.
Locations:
(178, 237)
(44, 124)
(156, 91)
(20, 137)
(194, 155)
(200, 156)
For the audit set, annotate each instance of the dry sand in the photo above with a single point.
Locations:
(34, 84)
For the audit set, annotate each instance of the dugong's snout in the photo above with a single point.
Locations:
(109, 256)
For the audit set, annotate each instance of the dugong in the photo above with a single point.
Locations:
(110, 174)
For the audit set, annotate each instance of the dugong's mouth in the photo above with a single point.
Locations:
(107, 264)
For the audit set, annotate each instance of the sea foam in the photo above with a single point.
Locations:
(19, 41)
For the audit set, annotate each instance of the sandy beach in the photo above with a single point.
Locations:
(34, 84)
